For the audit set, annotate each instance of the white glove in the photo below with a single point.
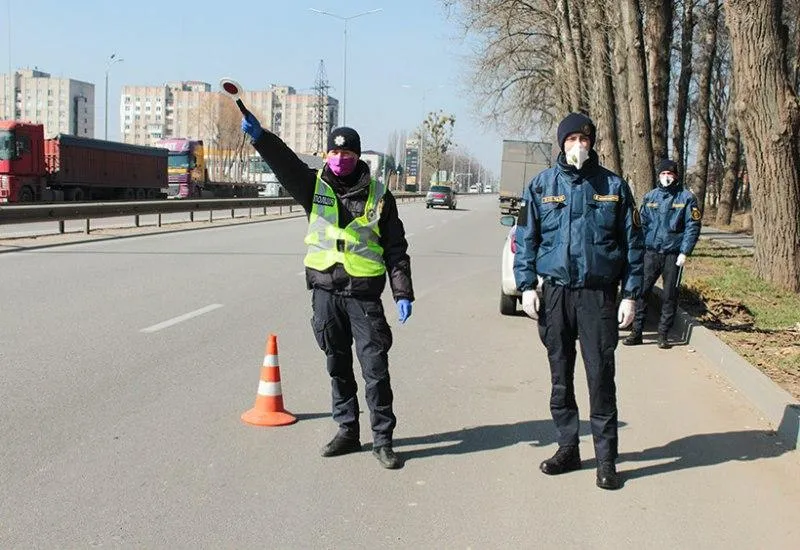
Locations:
(530, 303)
(539, 282)
(681, 260)
(627, 310)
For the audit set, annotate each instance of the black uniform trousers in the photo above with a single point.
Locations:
(657, 264)
(337, 321)
(590, 316)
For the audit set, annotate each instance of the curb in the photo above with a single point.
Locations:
(776, 404)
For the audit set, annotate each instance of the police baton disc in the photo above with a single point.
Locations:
(234, 90)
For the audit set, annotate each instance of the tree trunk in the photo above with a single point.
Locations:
(603, 104)
(685, 78)
(733, 151)
(640, 168)
(572, 71)
(620, 80)
(703, 102)
(658, 42)
(768, 115)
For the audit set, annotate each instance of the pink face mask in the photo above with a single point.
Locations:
(341, 165)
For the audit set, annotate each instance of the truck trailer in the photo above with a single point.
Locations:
(73, 168)
(521, 162)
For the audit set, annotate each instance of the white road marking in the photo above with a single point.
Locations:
(430, 227)
(181, 318)
(301, 272)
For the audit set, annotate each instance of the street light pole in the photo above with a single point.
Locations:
(112, 59)
(345, 19)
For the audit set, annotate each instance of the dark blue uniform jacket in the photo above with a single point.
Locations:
(670, 220)
(579, 229)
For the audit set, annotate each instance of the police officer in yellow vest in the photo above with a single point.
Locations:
(355, 238)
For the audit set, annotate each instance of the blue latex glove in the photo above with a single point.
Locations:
(403, 309)
(252, 127)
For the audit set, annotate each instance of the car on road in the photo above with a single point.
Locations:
(509, 295)
(441, 195)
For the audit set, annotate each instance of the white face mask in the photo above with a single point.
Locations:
(577, 155)
(665, 180)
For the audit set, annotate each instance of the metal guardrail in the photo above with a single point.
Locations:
(61, 212)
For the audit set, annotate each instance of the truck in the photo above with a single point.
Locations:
(521, 162)
(74, 168)
(188, 173)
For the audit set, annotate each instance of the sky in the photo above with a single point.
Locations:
(403, 61)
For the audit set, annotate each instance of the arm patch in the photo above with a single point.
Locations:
(522, 216)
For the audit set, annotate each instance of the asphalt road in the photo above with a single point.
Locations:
(126, 365)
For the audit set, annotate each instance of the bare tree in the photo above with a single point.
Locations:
(711, 21)
(438, 131)
(639, 171)
(657, 39)
(731, 173)
(768, 116)
(602, 102)
(684, 80)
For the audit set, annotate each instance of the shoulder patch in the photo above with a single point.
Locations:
(637, 219)
(696, 214)
(606, 198)
(324, 200)
(554, 198)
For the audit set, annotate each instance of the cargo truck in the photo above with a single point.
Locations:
(188, 173)
(72, 168)
(521, 161)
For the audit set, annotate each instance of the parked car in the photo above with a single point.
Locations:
(509, 295)
(441, 195)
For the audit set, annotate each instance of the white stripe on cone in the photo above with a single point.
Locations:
(271, 361)
(271, 389)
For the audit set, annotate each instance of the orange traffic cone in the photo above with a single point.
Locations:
(268, 410)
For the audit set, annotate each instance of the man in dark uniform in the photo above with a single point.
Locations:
(578, 236)
(671, 225)
(354, 238)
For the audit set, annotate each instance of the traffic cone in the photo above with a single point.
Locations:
(268, 410)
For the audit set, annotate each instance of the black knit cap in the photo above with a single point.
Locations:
(576, 123)
(344, 139)
(667, 165)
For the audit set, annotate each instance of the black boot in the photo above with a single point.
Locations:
(386, 456)
(607, 477)
(566, 459)
(633, 339)
(663, 343)
(341, 444)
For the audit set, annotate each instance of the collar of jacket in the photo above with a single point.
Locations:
(349, 186)
(673, 189)
(589, 167)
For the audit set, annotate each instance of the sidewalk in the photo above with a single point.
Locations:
(742, 240)
(775, 403)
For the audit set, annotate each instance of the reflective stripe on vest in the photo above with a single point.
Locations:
(357, 247)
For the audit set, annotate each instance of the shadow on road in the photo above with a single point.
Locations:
(695, 451)
(536, 433)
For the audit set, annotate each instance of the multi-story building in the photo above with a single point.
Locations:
(191, 110)
(62, 105)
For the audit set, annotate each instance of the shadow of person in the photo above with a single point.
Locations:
(700, 450)
(536, 433)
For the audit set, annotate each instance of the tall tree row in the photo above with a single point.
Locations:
(659, 78)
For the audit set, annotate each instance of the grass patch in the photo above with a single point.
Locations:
(759, 321)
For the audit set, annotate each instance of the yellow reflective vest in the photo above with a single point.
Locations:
(357, 247)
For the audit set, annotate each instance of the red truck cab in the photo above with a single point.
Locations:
(22, 167)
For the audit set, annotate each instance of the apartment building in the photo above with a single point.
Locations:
(192, 110)
(62, 105)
